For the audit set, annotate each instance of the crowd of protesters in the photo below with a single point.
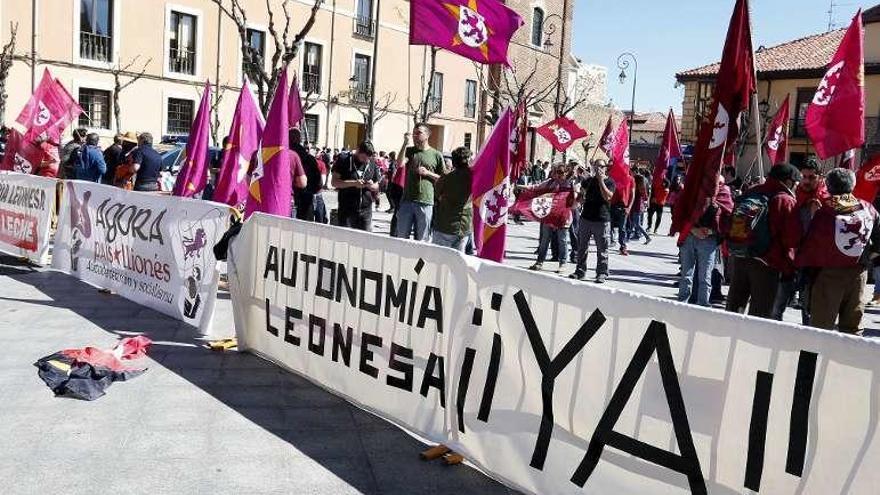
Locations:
(798, 238)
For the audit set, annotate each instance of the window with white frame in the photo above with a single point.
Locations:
(360, 87)
(257, 45)
(96, 30)
(311, 128)
(96, 108)
(436, 98)
(470, 98)
(182, 46)
(180, 116)
(312, 67)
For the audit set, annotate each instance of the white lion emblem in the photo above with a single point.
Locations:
(828, 85)
(472, 28)
(22, 165)
(43, 115)
(562, 136)
(720, 128)
(774, 142)
(542, 206)
(495, 204)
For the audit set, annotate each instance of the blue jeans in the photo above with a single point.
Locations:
(876, 280)
(457, 242)
(558, 237)
(414, 215)
(638, 229)
(697, 255)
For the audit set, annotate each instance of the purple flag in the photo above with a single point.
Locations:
(193, 176)
(295, 110)
(270, 190)
(480, 30)
(244, 141)
(490, 186)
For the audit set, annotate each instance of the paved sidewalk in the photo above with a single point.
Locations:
(195, 422)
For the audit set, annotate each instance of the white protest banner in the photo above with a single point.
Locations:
(27, 203)
(557, 387)
(152, 249)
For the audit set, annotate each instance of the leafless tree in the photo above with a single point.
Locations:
(7, 55)
(380, 111)
(219, 93)
(508, 87)
(426, 108)
(119, 72)
(286, 44)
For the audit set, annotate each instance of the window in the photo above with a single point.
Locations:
(312, 68)
(96, 108)
(182, 49)
(257, 43)
(436, 100)
(468, 140)
(470, 98)
(804, 97)
(180, 115)
(363, 20)
(96, 30)
(538, 27)
(360, 87)
(703, 103)
(311, 128)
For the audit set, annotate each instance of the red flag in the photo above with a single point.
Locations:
(561, 133)
(670, 151)
(868, 180)
(735, 85)
(49, 111)
(518, 140)
(836, 117)
(22, 155)
(606, 143)
(619, 171)
(480, 30)
(548, 207)
(776, 143)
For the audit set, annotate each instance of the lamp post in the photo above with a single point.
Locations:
(623, 64)
(371, 109)
(549, 29)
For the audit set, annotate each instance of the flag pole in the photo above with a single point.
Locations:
(756, 119)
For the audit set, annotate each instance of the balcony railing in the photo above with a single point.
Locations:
(364, 27)
(95, 46)
(435, 105)
(311, 82)
(360, 94)
(182, 61)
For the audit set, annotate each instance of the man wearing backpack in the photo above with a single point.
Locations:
(762, 238)
(843, 239)
(304, 198)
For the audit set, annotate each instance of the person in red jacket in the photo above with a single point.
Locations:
(755, 281)
(844, 237)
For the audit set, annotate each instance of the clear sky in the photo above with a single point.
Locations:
(668, 36)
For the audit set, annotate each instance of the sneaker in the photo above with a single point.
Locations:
(601, 279)
(873, 302)
(561, 267)
(578, 275)
(624, 251)
(647, 240)
(536, 267)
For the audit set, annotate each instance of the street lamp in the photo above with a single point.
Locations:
(623, 64)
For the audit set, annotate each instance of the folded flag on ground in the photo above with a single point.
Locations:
(87, 373)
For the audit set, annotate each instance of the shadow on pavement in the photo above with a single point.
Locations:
(300, 424)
